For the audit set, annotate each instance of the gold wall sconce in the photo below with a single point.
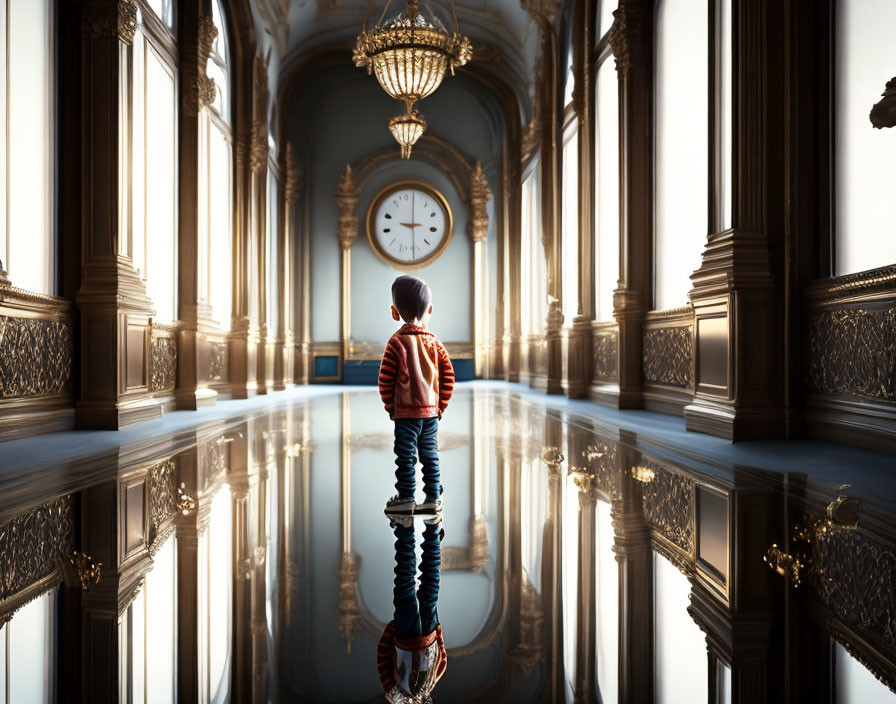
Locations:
(89, 571)
(841, 514)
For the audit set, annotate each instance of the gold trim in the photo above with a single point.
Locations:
(378, 200)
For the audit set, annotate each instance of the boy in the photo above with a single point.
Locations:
(411, 656)
(416, 382)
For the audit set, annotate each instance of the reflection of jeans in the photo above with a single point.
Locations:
(416, 614)
(413, 435)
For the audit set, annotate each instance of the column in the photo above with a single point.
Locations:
(115, 310)
(580, 348)
(479, 197)
(552, 556)
(291, 188)
(630, 39)
(347, 194)
(196, 33)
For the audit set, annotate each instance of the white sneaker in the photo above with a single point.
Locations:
(430, 506)
(400, 506)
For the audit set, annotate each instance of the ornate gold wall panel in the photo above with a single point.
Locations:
(162, 493)
(852, 351)
(668, 356)
(163, 363)
(35, 356)
(606, 352)
(668, 506)
(31, 545)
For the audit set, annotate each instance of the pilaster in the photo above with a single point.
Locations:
(738, 385)
(197, 90)
(479, 224)
(631, 41)
(115, 309)
(347, 194)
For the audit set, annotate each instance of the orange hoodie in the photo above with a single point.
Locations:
(416, 377)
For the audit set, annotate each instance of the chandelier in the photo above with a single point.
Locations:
(407, 129)
(410, 55)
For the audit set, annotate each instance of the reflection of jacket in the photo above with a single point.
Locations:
(416, 377)
(385, 654)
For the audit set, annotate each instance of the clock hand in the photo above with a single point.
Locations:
(413, 231)
(411, 225)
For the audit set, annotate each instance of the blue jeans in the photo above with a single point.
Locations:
(416, 612)
(415, 436)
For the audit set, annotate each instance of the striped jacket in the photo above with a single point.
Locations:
(416, 377)
(385, 655)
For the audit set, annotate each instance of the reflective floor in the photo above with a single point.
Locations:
(248, 559)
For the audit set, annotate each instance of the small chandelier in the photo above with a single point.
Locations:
(407, 129)
(410, 55)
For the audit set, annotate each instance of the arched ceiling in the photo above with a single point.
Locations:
(501, 31)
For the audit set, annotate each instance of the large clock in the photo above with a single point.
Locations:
(409, 224)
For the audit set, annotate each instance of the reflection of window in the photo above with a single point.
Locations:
(606, 172)
(570, 221)
(680, 666)
(272, 258)
(864, 179)
(27, 242)
(570, 579)
(164, 10)
(533, 272)
(150, 632)
(28, 646)
(153, 234)
(216, 200)
(607, 582)
(215, 601)
(681, 165)
(854, 683)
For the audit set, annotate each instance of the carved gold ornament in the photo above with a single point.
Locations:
(186, 504)
(89, 571)
(644, 475)
(479, 197)
(410, 54)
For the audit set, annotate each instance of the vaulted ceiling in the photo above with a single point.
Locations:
(503, 35)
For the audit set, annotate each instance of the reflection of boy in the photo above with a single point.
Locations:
(411, 655)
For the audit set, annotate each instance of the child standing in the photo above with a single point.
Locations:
(416, 382)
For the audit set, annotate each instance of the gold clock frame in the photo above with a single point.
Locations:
(375, 204)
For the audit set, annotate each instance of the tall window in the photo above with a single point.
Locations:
(682, 143)
(863, 156)
(534, 268)
(272, 259)
(216, 147)
(27, 243)
(680, 665)
(606, 161)
(152, 242)
(570, 221)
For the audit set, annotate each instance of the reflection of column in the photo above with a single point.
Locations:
(632, 548)
(585, 621)
(242, 567)
(479, 196)
(552, 562)
(347, 200)
(349, 610)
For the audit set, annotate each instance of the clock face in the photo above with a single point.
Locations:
(409, 224)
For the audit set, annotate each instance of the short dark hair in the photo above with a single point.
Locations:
(411, 296)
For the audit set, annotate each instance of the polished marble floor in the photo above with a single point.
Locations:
(587, 556)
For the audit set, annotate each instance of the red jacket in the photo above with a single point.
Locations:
(385, 654)
(416, 376)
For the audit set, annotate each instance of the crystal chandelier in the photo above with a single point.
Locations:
(410, 55)
(407, 129)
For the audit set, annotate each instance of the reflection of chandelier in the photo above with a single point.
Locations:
(407, 129)
(409, 55)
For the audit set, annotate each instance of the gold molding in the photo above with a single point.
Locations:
(378, 200)
(201, 89)
(479, 197)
